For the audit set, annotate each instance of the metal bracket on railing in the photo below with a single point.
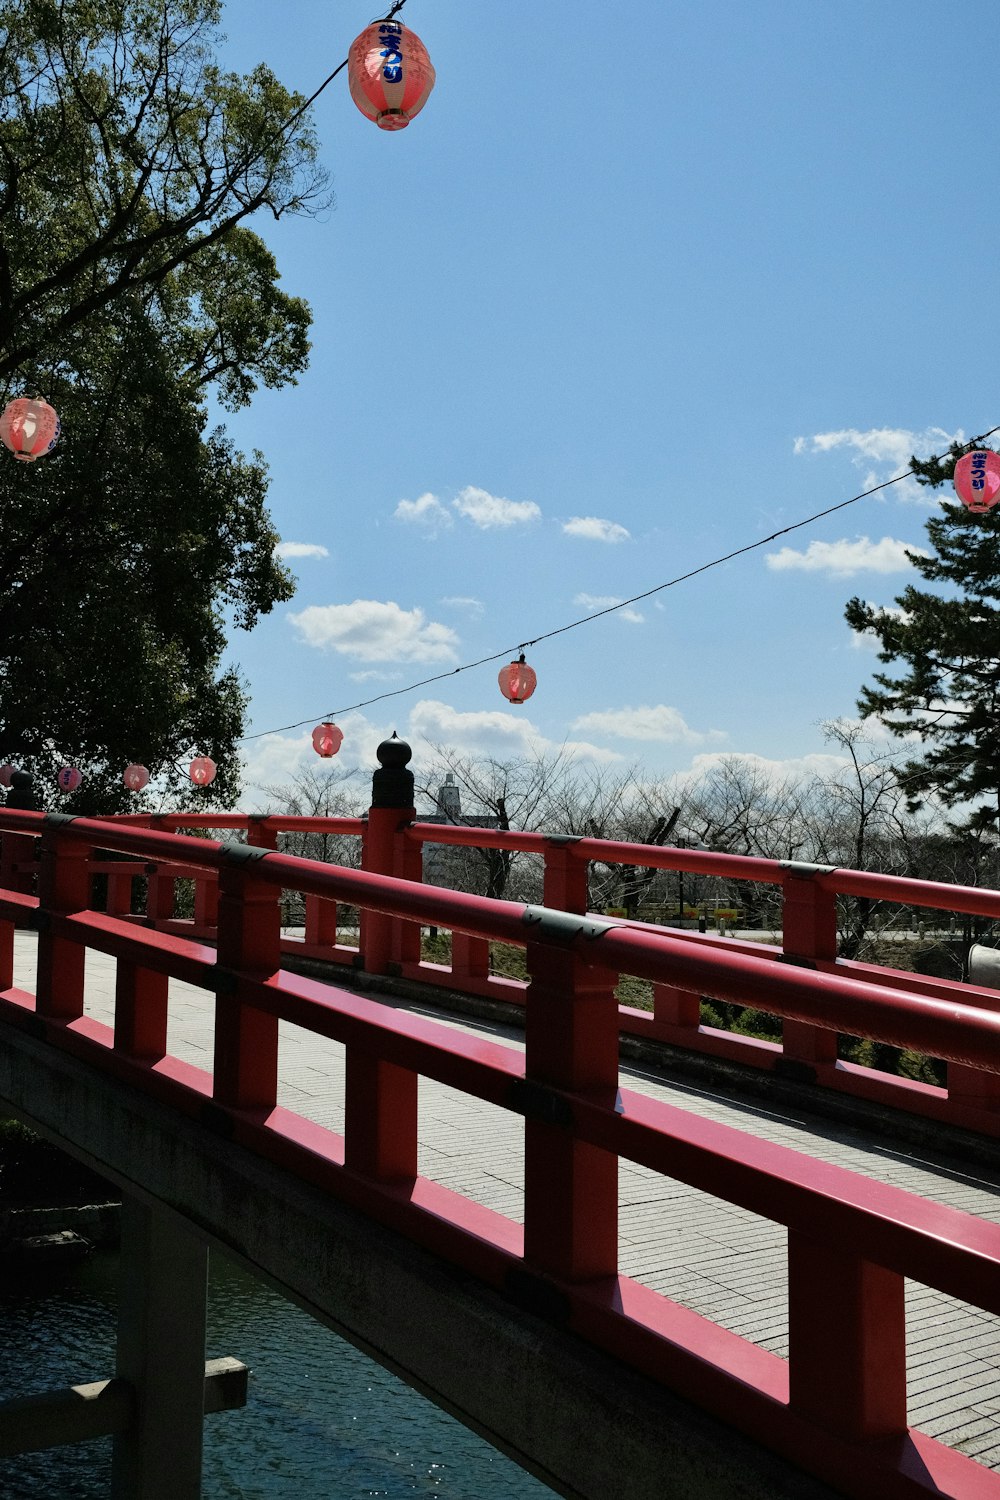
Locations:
(236, 854)
(563, 927)
(58, 820)
(535, 1102)
(801, 869)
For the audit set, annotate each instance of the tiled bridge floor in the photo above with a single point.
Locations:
(716, 1259)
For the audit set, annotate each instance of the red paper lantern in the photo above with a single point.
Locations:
(327, 739)
(977, 479)
(517, 681)
(68, 779)
(202, 770)
(390, 74)
(28, 427)
(135, 778)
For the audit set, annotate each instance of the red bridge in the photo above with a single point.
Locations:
(521, 1323)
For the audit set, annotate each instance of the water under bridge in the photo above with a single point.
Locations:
(640, 1254)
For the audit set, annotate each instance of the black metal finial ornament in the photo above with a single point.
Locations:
(392, 783)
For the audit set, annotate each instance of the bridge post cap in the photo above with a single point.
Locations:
(22, 796)
(394, 753)
(392, 783)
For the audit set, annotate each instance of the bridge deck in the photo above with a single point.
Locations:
(710, 1256)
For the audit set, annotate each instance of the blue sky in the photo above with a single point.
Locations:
(630, 293)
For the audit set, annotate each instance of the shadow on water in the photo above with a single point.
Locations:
(321, 1419)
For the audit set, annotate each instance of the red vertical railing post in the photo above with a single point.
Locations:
(571, 1043)
(206, 901)
(380, 1105)
(119, 898)
(321, 922)
(159, 893)
(63, 887)
(262, 832)
(159, 886)
(140, 1010)
(470, 959)
(380, 1117)
(17, 869)
(565, 881)
(408, 864)
(809, 936)
(846, 1341)
(392, 808)
(974, 1088)
(7, 930)
(249, 947)
(674, 1007)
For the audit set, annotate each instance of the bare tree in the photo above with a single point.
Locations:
(315, 793)
(499, 794)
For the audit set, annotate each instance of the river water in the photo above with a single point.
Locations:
(322, 1422)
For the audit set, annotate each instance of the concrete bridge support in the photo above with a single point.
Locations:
(163, 1284)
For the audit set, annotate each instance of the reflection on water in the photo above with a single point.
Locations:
(321, 1420)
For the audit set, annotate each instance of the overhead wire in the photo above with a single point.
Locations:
(609, 609)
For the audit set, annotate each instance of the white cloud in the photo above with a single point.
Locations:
(844, 557)
(375, 631)
(774, 772)
(592, 603)
(473, 607)
(891, 445)
(654, 722)
(426, 511)
(593, 529)
(300, 549)
(505, 734)
(374, 675)
(490, 512)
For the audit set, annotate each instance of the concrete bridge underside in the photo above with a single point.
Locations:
(579, 1421)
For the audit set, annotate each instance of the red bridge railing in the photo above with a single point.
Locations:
(836, 1407)
(808, 1049)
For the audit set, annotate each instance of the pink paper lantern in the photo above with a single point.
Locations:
(28, 427)
(202, 770)
(135, 778)
(6, 772)
(390, 74)
(68, 779)
(517, 681)
(327, 739)
(977, 479)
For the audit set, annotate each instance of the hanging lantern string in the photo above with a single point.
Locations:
(611, 609)
(393, 11)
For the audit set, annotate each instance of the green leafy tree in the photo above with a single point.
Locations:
(945, 643)
(127, 153)
(131, 290)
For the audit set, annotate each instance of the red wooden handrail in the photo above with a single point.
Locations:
(391, 942)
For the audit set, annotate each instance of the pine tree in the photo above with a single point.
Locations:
(945, 641)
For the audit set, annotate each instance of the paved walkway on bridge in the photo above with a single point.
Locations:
(712, 1257)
